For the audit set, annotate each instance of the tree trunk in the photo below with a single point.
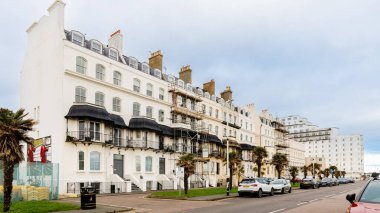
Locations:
(279, 173)
(8, 168)
(231, 174)
(259, 170)
(186, 182)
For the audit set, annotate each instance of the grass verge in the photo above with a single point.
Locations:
(295, 184)
(191, 193)
(40, 206)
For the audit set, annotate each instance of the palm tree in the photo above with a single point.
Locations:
(316, 166)
(326, 172)
(13, 129)
(259, 154)
(343, 173)
(234, 164)
(240, 171)
(187, 162)
(338, 173)
(293, 170)
(305, 169)
(333, 169)
(254, 170)
(280, 161)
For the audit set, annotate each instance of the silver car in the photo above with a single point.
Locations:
(281, 185)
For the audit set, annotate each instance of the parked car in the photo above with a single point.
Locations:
(281, 185)
(258, 186)
(342, 181)
(335, 181)
(351, 180)
(368, 199)
(309, 183)
(326, 182)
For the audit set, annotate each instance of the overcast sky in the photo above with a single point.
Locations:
(318, 59)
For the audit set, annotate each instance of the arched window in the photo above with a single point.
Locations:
(149, 112)
(81, 65)
(117, 78)
(95, 161)
(80, 94)
(116, 104)
(161, 115)
(148, 163)
(80, 160)
(96, 46)
(113, 54)
(161, 94)
(149, 90)
(100, 72)
(99, 98)
(136, 85)
(136, 109)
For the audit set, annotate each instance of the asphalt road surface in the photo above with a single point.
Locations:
(284, 202)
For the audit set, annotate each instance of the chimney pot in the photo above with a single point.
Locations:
(185, 74)
(155, 60)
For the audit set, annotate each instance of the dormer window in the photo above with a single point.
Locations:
(171, 79)
(96, 46)
(157, 73)
(189, 87)
(113, 54)
(200, 92)
(133, 63)
(213, 97)
(207, 95)
(145, 68)
(77, 38)
(180, 83)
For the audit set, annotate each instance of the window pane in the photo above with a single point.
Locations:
(80, 94)
(81, 160)
(94, 161)
(138, 164)
(136, 109)
(100, 72)
(148, 164)
(116, 104)
(136, 85)
(116, 78)
(81, 65)
(99, 99)
(149, 112)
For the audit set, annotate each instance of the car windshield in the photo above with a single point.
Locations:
(247, 181)
(371, 193)
(277, 182)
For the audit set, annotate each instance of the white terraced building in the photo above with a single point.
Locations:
(120, 124)
(344, 151)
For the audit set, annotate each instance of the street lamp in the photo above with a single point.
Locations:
(228, 157)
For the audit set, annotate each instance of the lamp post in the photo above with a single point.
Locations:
(228, 157)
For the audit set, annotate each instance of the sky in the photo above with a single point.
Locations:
(317, 59)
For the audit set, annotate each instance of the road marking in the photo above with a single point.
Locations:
(330, 195)
(277, 210)
(314, 200)
(301, 203)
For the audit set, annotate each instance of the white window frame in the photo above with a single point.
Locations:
(94, 43)
(113, 54)
(136, 85)
(95, 165)
(75, 41)
(81, 65)
(116, 104)
(149, 89)
(133, 63)
(149, 111)
(161, 94)
(138, 163)
(99, 98)
(80, 94)
(145, 68)
(136, 109)
(148, 168)
(157, 73)
(100, 72)
(81, 162)
(116, 81)
(161, 115)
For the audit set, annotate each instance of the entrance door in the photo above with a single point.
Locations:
(118, 165)
(162, 166)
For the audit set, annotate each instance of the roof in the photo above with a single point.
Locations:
(144, 123)
(245, 146)
(118, 120)
(89, 111)
(166, 130)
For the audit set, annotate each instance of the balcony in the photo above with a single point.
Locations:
(89, 137)
(143, 144)
(233, 125)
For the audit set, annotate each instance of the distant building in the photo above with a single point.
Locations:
(344, 151)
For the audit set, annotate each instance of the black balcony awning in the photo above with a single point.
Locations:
(118, 121)
(182, 132)
(89, 111)
(214, 139)
(245, 146)
(166, 130)
(144, 123)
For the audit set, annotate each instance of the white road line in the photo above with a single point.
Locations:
(278, 210)
(330, 195)
(301, 203)
(313, 200)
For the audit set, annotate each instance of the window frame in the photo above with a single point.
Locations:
(99, 98)
(95, 166)
(80, 98)
(149, 89)
(136, 108)
(81, 162)
(81, 68)
(76, 33)
(136, 85)
(161, 115)
(116, 58)
(149, 111)
(100, 72)
(100, 51)
(148, 169)
(116, 106)
(161, 94)
(117, 81)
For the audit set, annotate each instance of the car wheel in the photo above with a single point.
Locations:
(240, 194)
(260, 193)
(290, 190)
(282, 190)
(314, 187)
(271, 192)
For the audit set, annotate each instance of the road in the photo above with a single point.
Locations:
(330, 197)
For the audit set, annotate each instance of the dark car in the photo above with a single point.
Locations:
(368, 200)
(309, 183)
(342, 181)
(326, 182)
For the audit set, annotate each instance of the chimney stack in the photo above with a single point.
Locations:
(116, 41)
(155, 60)
(227, 94)
(209, 87)
(185, 74)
